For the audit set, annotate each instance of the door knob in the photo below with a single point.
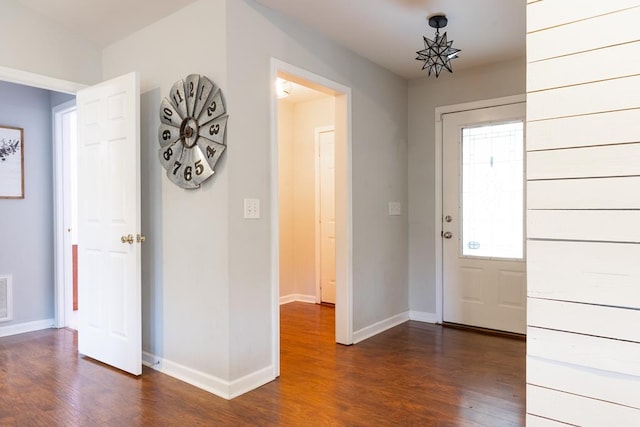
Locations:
(447, 235)
(140, 238)
(127, 239)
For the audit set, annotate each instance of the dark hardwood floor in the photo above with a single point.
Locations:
(414, 374)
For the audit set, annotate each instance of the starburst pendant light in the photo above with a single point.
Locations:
(437, 53)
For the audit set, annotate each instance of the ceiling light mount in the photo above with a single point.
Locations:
(437, 53)
(438, 21)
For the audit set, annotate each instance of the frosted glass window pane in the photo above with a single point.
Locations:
(493, 190)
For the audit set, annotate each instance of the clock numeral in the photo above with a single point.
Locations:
(167, 114)
(191, 94)
(214, 129)
(177, 165)
(166, 135)
(210, 152)
(199, 167)
(211, 108)
(201, 93)
(167, 153)
(187, 173)
(179, 100)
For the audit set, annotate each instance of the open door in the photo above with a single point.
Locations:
(109, 269)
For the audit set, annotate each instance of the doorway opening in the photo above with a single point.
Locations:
(66, 205)
(61, 91)
(311, 196)
(306, 194)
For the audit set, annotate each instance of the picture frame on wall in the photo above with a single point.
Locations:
(11, 163)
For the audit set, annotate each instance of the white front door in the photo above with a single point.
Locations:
(327, 200)
(109, 271)
(484, 271)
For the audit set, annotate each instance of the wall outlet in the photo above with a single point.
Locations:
(395, 208)
(251, 208)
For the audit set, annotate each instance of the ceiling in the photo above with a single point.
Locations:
(104, 22)
(387, 32)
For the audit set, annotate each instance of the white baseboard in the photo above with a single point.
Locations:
(251, 382)
(217, 386)
(423, 316)
(22, 328)
(286, 299)
(380, 326)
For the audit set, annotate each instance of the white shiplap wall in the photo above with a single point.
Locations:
(583, 222)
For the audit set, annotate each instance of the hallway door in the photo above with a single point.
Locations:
(484, 272)
(109, 255)
(326, 178)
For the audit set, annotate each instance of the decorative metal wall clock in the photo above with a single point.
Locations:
(192, 131)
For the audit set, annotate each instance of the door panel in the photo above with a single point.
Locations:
(326, 141)
(484, 275)
(109, 272)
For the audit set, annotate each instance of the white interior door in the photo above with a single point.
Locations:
(66, 125)
(484, 270)
(109, 271)
(327, 199)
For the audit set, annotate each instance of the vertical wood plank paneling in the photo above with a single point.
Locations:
(593, 383)
(596, 32)
(588, 67)
(583, 172)
(606, 354)
(588, 272)
(604, 193)
(622, 226)
(587, 319)
(607, 95)
(535, 421)
(617, 127)
(578, 410)
(548, 14)
(601, 161)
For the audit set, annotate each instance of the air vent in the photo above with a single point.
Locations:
(6, 306)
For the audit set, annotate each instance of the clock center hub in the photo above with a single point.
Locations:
(189, 132)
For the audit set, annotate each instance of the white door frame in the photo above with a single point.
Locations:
(440, 111)
(344, 235)
(316, 155)
(26, 78)
(62, 206)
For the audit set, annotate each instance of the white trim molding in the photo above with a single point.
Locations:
(22, 328)
(27, 78)
(62, 254)
(222, 388)
(378, 327)
(423, 316)
(286, 299)
(344, 210)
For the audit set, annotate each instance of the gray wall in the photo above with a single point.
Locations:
(26, 231)
(425, 95)
(184, 259)
(207, 311)
(379, 174)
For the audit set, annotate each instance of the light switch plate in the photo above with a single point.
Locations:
(251, 208)
(395, 208)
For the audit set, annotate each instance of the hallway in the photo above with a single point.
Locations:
(413, 374)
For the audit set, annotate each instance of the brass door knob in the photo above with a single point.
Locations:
(127, 239)
(447, 235)
(140, 238)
